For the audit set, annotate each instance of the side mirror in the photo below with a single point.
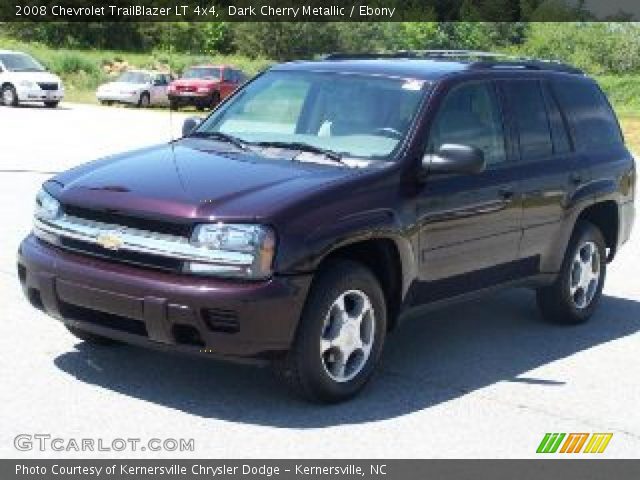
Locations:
(453, 158)
(190, 125)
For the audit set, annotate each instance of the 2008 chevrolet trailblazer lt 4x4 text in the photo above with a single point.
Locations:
(324, 199)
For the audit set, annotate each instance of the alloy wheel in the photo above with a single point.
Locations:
(348, 335)
(584, 276)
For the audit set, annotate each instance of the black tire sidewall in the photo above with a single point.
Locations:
(13, 92)
(332, 282)
(141, 102)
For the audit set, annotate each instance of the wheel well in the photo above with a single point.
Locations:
(6, 84)
(604, 215)
(382, 258)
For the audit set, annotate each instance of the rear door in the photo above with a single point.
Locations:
(159, 89)
(551, 169)
(469, 224)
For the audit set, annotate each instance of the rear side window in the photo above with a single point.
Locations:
(531, 118)
(593, 123)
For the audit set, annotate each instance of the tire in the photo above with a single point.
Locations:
(9, 96)
(173, 105)
(215, 99)
(200, 108)
(313, 371)
(51, 104)
(575, 294)
(144, 101)
(90, 337)
(108, 103)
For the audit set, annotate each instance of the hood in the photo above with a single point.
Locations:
(36, 76)
(189, 179)
(194, 82)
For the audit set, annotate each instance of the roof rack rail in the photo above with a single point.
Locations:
(524, 64)
(477, 59)
(413, 54)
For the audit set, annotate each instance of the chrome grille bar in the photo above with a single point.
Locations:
(135, 240)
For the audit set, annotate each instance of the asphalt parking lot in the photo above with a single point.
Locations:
(482, 379)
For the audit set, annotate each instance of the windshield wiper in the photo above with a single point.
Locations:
(224, 137)
(304, 147)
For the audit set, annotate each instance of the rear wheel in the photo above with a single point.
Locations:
(340, 336)
(90, 337)
(51, 104)
(173, 105)
(144, 100)
(575, 294)
(9, 96)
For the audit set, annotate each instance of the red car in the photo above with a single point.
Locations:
(204, 86)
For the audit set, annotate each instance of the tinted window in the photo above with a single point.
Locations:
(559, 127)
(470, 115)
(19, 62)
(593, 123)
(203, 73)
(530, 116)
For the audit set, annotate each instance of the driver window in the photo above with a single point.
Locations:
(470, 115)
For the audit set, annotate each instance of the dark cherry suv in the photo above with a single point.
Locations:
(323, 200)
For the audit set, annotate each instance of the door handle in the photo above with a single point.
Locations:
(506, 193)
(575, 178)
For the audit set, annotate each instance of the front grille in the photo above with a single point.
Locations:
(221, 320)
(126, 220)
(134, 258)
(103, 319)
(48, 85)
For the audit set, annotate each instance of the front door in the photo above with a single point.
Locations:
(470, 225)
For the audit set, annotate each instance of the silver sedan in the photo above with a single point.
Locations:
(136, 87)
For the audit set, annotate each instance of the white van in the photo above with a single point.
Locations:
(24, 79)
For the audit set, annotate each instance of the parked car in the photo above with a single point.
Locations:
(311, 212)
(204, 86)
(24, 79)
(142, 88)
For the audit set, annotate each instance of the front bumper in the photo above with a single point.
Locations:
(36, 94)
(190, 98)
(118, 97)
(229, 319)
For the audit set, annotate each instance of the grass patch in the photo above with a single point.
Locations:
(631, 127)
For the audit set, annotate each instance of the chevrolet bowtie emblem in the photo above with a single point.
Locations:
(111, 239)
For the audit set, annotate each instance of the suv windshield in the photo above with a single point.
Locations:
(134, 77)
(19, 62)
(352, 115)
(203, 73)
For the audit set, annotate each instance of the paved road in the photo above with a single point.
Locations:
(481, 379)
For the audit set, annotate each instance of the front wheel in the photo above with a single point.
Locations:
(52, 104)
(340, 336)
(575, 294)
(9, 96)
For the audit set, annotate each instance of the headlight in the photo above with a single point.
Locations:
(203, 89)
(47, 207)
(27, 84)
(236, 250)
